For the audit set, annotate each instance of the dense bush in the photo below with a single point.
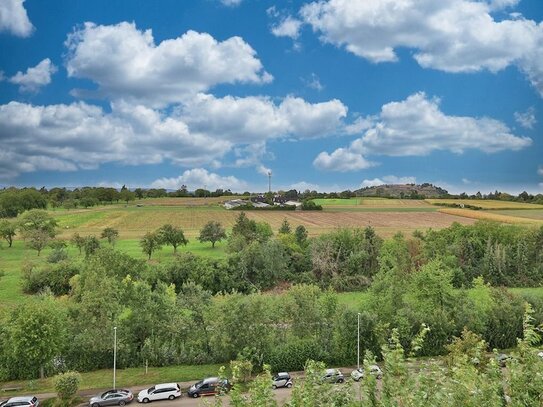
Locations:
(67, 384)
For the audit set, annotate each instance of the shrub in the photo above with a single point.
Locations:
(67, 384)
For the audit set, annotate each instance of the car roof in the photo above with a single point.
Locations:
(282, 374)
(21, 398)
(165, 385)
(331, 370)
(211, 379)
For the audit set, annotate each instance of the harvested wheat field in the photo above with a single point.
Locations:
(491, 215)
(485, 203)
(133, 222)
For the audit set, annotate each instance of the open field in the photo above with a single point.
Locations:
(536, 214)
(375, 205)
(493, 215)
(486, 203)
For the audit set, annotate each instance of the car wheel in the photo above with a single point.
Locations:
(95, 405)
(274, 386)
(122, 403)
(171, 397)
(146, 400)
(289, 385)
(340, 380)
(356, 379)
(195, 395)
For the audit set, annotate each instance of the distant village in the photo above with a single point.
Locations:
(263, 202)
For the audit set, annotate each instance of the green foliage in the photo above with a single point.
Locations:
(150, 243)
(169, 235)
(301, 234)
(37, 220)
(285, 227)
(37, 239)
(309, 205)
(13, 201)
(78, 241)
(110, 234)
(212, 232)
(67, 384)
(91, 245)
(8, 230)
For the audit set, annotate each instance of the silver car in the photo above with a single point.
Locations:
(333, 376)
(25, 401)
(118, 397)
(282, 379)
(359, 373)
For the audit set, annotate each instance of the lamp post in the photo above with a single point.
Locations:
(358, 344)
(114, 354)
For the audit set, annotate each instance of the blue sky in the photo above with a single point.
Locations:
(327, 95)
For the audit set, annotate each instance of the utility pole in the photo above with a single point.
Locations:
(114, 355)
(358, 345)
(269, 181)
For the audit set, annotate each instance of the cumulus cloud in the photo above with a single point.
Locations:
(13, 18)
(287, 27)
(313, 82)
(387, 180)
(263, 170)
(68, 137)
(200, 178)
(302, 186)
(126, 63)
(526, 119)
(342, 160)
(449, 35)
(35, 77)
(254, 119)
(416, 127)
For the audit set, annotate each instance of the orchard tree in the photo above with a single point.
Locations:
(212, 232)
(7, 231)
(78, 241)
(110, 234)
(37, 220)
(127, 195)
(37, 239)
(171, 236)
(150, 243)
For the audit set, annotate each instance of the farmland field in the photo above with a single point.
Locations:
(531, 214)
(493, 216)
(486, 203)
(375, 205)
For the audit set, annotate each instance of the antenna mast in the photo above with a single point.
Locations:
(269, 181)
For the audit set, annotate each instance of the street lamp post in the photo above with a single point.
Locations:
(114, 355)
(358, 344)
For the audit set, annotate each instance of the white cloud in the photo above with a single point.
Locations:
(255, 119)
(540, 171)
(466, 181)
(416, 127)
(68, 137)
(13, 18)
(35, 77)
(287, 27)
(127, 64)
(388, 180)
(263, 170)
(526, 119)
(449, 35)
(200, 178)
(341, 160)
(302, 186)
(313, 82)
(235, 3)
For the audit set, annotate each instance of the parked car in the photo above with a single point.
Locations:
(281, 379)
(358, 374)
(2, 402)
(333, 376)
(118, 397)
(165, 391)
(25, 401)
(208, 387)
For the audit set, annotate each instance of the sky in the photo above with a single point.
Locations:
(327, 95)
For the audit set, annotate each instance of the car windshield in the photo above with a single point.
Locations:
(151, 389)
(199, 384)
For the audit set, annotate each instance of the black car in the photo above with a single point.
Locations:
(208, 387)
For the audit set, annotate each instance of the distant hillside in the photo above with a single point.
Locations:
(412, 191)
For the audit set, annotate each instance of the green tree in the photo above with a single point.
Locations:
(301, 234)
(37, 239)
(150, 243)
(91, 245)
(285, 227)
(212, 232)
(66, 385)
(37, 219)
(111, 235)
(127, 195)
(36, 334)
(172, 236)
(78, 241)
(8, 230)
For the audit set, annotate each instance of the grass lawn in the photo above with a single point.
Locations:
(102, 379)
